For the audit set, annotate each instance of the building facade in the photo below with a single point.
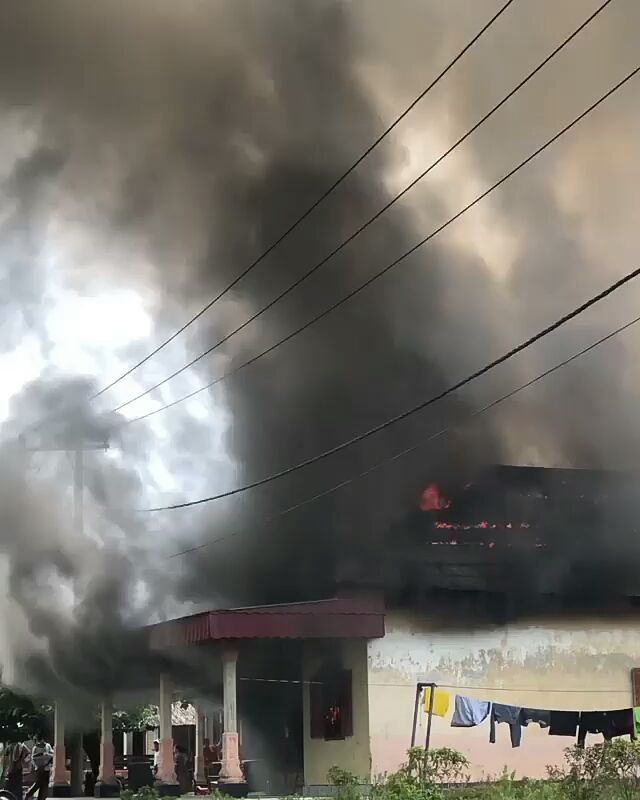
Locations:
(579, 663)
(309, 686)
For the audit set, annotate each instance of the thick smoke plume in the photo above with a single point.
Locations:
(157, 147)
(73, 590)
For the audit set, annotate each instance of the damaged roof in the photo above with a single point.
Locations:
(334, 618)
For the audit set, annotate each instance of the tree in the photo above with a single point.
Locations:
(22, 718)
(141, 718)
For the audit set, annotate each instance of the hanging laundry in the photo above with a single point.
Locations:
(622, 723)
(469, 712)
(537, 716)
(593, 722)
(609, 723)
(636, 720)
(441, 701)
(510, 715)
(564, 723)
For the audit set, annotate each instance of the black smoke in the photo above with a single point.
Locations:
(163, 146)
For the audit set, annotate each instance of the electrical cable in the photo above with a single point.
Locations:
(336, 250)
(283, 236)
(414, 409)
(315, 205)
(443, 431)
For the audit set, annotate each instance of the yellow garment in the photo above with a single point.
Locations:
(441, 701)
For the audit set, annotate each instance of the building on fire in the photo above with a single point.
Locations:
(508, 587)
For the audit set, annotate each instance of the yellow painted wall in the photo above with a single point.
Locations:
(563, 663)
(352, 753)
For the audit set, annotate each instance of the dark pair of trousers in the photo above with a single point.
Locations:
(41, 785)
(13, 783)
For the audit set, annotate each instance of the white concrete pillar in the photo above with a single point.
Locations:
(210, 727)
(59, 775)
(230, 771)
(77, 765)
(107, 785)
(200, 772)
(166, 767)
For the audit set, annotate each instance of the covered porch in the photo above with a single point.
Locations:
(263, 682)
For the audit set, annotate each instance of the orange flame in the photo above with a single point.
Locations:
(432, 500)
(482, 525)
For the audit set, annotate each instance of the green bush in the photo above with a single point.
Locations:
(346, 783)
(444, 765)
(508, 787)
(216, 794)
(422, 776)
(144, 793)
(609, 771)
(341, 777)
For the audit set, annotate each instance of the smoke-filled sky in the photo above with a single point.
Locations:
(149, 151)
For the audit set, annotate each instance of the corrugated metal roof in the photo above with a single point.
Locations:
(340, 617)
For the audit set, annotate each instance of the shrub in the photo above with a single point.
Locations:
(345, 781)
(341, 777)
(216, 794)
(508, 787)
(420, 778)
(609, 771)
(445, 765)
(144, 793)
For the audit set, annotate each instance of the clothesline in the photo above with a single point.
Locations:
(469, 712)
(514, 689)
(510, 689)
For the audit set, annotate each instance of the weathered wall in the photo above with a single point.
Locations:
(352, 753)
(581, 664)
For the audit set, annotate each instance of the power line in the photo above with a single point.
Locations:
(337, 249)
(412, 448)
(315, 205)
(281, 238)
(420, 406)
(442, 432)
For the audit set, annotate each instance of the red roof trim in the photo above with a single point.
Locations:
(357, 617)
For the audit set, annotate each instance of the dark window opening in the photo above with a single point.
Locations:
(331, 706)
(635, 686)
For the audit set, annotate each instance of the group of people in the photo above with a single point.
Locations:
(183, 767)
(17, 758)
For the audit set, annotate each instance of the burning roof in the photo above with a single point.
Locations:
(533, 530)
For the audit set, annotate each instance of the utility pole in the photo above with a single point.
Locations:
(78, 492)
(77, 445)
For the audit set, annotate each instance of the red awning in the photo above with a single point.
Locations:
(337, 618)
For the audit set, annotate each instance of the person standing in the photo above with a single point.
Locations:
(156, 756)
(16, 756)
(183, 773)
(42, 758)
(208, 754)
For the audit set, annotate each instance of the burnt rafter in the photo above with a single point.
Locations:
(528, 530)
